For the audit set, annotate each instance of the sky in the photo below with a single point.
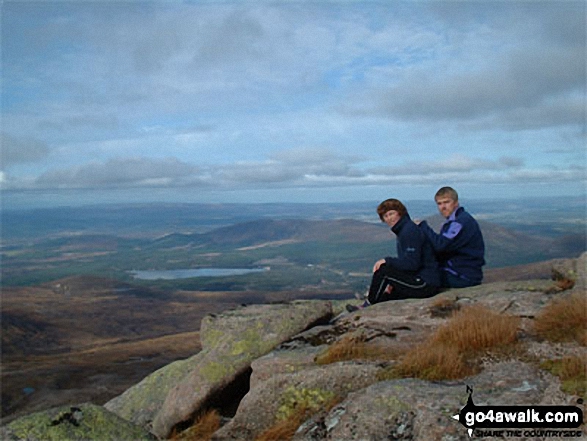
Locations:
(301, 101)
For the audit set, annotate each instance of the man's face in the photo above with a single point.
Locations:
(446, 206)
(391, 217)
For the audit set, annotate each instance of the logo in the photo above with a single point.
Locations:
(529, 421)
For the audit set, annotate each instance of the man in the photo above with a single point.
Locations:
(414, 272)
(459, 247)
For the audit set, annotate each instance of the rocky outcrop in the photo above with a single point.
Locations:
(409, 409)
(73, 423)
(230, 342)
(268, 360)
(275, 398)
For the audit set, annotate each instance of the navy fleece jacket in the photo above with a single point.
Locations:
(414, 252)
(459, 246)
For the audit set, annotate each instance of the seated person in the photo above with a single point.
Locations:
(414, 272)
(459, 246)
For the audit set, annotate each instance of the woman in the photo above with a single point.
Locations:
(414, 273)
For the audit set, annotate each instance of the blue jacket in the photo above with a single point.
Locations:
(414, 252)
(459, 246)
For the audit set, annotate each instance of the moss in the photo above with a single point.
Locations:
(87, 422)
(572, 372)
(211, 337)
(251, 342)
(392, 404)
(311, 399)
(215, 371)
(140, 402)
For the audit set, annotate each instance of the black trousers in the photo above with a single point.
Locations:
(404, 285)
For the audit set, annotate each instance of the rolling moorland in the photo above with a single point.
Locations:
(77, 326)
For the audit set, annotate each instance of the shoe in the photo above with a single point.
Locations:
(352, 308)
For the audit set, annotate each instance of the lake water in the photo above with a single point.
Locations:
(197, 272)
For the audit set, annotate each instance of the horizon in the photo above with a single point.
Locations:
(42, 203)
(306, 102)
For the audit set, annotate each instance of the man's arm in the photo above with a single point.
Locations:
(451, 240)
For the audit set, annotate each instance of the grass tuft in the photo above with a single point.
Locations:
(443, 307)
(451, 352)
(353, 347)
(432, 362)
(202, 429)
(285, 429)
(572, 372)
(564, 319)
(477, 328)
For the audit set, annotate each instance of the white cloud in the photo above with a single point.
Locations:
(121, 172)
(324, 169)
(18, 151)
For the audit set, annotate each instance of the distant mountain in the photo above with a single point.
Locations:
(504, 246)
(268, 230)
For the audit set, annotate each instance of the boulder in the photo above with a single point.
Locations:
(230, 342)
(275, 399)
(73, 423)
(410, 409)
(283, 361)
(141, 402)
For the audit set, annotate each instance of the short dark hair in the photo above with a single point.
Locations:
(447, 192)
(391, 204)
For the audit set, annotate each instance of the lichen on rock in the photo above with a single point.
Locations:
(87, 422)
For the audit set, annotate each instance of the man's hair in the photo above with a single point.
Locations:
(447, 192)
(391, 204)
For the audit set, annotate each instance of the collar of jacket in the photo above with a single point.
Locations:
(454, 214)
(400, 223)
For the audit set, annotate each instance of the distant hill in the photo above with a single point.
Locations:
(504, 246)
(301, 252)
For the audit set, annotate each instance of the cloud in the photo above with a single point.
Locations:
(454, 164)
(516, 67)
(122, 172)
(21, 150)
(540, 83)
(298, 168)
(292, 166)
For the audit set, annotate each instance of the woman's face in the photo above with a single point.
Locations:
(391, 217)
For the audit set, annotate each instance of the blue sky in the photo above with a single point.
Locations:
(309, 101)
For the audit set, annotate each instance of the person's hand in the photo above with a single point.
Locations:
(378, 264)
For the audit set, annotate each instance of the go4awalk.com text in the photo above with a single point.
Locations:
(520, 421)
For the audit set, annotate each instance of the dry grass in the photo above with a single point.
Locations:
(477, 328)
(353, 347)
(434, 362)
(285, 429)
(451, 352)
(564, 320)
(572, 372)
(443, 307)
(202, 429)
